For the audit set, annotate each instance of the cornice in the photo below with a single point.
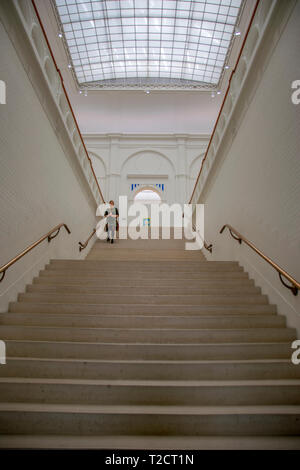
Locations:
(90, 137)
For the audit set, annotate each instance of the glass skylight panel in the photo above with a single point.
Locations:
(184, 41)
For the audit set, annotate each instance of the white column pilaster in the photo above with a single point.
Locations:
(181, 171)
(113, 177)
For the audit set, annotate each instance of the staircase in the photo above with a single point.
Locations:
(147, 345)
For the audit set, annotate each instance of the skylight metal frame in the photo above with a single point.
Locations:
(142, 74)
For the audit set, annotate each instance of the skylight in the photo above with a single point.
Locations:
(148, 42)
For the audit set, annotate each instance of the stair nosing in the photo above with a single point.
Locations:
(151, 409)
(154, 382)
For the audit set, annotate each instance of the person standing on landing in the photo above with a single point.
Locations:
(112, 215)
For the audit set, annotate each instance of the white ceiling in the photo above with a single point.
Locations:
(131, 111)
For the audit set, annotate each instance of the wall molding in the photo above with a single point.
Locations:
(22, 26)
(141, 136)
(269, 21)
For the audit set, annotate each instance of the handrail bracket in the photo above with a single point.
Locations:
(236, 238)
(82, 246)
(50, 237)
(293, 288)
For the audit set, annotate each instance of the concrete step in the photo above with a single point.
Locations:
(62, 419)
(158, 442)
(143, 246)
(150, 392)
(154, 351)
(118, 254)
(137, 309)
(142, 255)
(125, 267)
(59, 263)
(143, 321)
(161, 244)
(145, 290)
(135, 298)
(244, 282)
(117, 275)
(147, 336)
(138, 369)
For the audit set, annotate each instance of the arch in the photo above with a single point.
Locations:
(147, 165)
(155, 152)
(81, 154)
(228, 105)
(194, 163)
(70, 122)
(150, 189)
(95, 155)
(63, 104)
(201, 155)
(238, 75)
(221, 123)
(251, 42)
(76, 138)
(50, 70)
(98, 165)
(38, 40)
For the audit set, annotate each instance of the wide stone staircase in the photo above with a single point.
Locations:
(147, 345)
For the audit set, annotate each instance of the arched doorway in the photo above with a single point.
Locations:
(147, 196)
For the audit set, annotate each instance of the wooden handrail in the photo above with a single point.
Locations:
(82, 246)
(48, 235)
(225, 96)
(240, 238)
(67, 97)
(207, 246)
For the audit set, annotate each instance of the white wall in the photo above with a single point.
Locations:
(121, 160)
(136, 112)
(41, 185)
(256, 187)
